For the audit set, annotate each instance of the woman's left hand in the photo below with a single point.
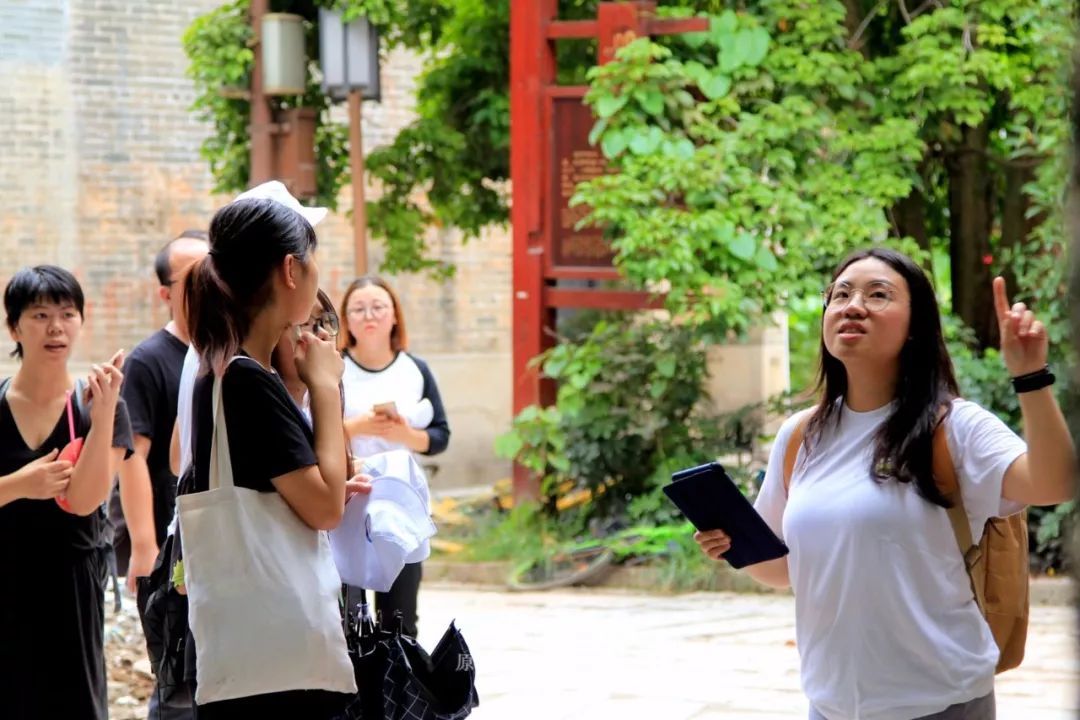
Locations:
(1024, 342)
(398, 430)
(104, 383)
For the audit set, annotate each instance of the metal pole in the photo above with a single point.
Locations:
(356, 163)
(261, 120)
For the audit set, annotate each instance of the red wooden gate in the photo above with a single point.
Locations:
(549, 155)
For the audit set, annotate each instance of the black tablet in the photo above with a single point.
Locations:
(711, 500)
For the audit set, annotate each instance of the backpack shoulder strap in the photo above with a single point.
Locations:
(791, 451)
(948, 483)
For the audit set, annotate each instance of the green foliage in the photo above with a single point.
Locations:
(537, 441)
(1054, 529)
(730, 163)
(218, 47)
(631, 409)
(526, 535)
(457, 151)
(522, 534)
(733, 151)
(443, 169)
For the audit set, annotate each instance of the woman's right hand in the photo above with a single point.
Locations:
(44, 478)
(359, 484)
(714, 543)
(370, 423)
(317, 361)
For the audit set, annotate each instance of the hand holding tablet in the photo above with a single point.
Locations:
(709, 498)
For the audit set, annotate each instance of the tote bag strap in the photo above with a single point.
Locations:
(221, 474)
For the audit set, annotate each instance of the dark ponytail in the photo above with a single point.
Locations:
(225, 291)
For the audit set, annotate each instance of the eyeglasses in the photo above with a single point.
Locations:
(875, 297)
(377, 311)
(327, 321)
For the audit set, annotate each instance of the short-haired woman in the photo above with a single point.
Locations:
(53, 545)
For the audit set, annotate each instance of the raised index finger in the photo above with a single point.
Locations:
(1001, 300)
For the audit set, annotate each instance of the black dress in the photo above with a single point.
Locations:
(52, 608)
(268, 437)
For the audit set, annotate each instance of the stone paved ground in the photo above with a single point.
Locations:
(592, 654)
(706, 656)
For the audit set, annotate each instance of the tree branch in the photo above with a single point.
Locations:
(910, 16)
(904, 11)
(1020, 161)
(926, 6)
(855, 42)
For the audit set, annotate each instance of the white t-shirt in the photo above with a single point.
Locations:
(886, 622)
(408, 383)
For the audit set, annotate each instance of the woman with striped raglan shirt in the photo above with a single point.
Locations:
(379, 371)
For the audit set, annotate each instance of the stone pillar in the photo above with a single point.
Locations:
(750, 371)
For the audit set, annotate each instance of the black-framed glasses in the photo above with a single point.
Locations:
(875, 297)
(326, 320)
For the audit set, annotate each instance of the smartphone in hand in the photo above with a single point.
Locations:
(387, 409)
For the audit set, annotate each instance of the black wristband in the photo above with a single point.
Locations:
(1033, 381)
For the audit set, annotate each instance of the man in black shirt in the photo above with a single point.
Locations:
(142, 504)
(146, 493)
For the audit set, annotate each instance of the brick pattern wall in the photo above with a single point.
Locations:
(99, 166)
(101, 155)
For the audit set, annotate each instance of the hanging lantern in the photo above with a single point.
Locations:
(349, 56)
(283, 54)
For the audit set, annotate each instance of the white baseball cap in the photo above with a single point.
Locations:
(380, 533)
(275, 190)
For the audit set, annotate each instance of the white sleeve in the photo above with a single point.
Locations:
(772, 499)
(183, 405)
(983, 448)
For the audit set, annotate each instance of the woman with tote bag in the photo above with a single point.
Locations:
(261, 585)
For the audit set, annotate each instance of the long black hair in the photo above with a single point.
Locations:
(924, 388)
(226, 289)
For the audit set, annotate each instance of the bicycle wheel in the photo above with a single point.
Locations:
(562, 569)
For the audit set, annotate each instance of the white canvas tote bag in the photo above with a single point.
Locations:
(262, 589)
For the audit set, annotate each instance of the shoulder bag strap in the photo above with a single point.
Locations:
(947, 482)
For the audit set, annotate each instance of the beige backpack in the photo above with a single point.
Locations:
(997, 566)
